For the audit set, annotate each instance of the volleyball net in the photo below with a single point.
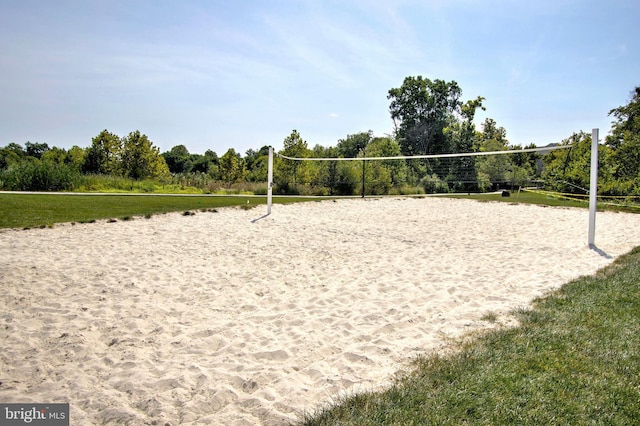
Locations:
(416, 174)
(456, 172)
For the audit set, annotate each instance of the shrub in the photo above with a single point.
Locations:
(432, 184)
(40, 176)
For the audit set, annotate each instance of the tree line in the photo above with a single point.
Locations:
(429, 117)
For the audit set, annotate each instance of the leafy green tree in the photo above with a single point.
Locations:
(178, 159)
(140, 159)
(352, 145)
(214, 161)
(200, 163)
(10, 155)
(461, 171)
(288, 173)
(430, 118)
(377, 177)
(231, 166)
(490, 130)
(36, 149)
(568, 170)
(257, 163)
(388, 147)
(75, 157)
(526, 165)
(104, 154)
(55, 155)
(625, 142)
(338, 177)
(421, 109)
(493, 170)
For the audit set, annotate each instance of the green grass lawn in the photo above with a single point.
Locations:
(526, 197)
(18, 210)
(574, 360)
(34, 210)
(547, 199)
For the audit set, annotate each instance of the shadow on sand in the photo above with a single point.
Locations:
(260, 218)
(600, 251)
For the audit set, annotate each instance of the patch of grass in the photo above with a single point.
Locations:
(491, 317)
(573, 359)
(33, 210)
(543, 199)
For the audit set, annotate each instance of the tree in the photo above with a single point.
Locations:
(430, 118)
(10, 155)
(625, 141)
(103, 156)
(493, 169)
(377, 177)
(526, 165)
(461, 171)
(420, 110)
(490, 130)
(338, 177)
(36, 149)
(200, 163)
(290, 173)
(178, 159)
(352, 145)
(231, 167)
(140, 159)
(55, 155)
(388, 147)
(257, 163)
(213, 160)
(567, 170)
(627, 120)
(75, 157)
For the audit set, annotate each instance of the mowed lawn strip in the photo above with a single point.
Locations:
(552, 200)
(33, 210)
(574, 359)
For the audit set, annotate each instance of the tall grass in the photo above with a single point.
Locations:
(112, 183)
(40, 176)
(574, 359)
(179, 184)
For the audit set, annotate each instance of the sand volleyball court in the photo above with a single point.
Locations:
(214, 319)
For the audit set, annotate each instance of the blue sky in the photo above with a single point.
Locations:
(243, 74)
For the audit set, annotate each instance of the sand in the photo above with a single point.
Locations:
(220, 319)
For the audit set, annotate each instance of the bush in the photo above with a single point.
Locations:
(285, 188)
(432, 184)
(40, 176)
(406, 190)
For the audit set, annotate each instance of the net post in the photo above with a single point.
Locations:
(270, 181)
(593, 188)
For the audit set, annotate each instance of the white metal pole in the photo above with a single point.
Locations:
(593, 188)
(270, 181)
